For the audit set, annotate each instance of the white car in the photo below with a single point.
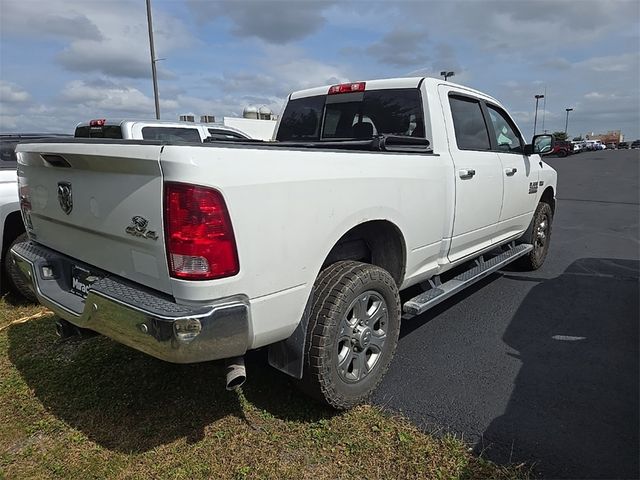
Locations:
(196, 252)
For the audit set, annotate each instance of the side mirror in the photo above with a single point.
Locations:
(541, 145)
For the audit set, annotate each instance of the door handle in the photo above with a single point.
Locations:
(510, 171)
(468, 173)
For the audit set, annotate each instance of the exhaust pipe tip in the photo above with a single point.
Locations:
(236, 373)
(65, 329)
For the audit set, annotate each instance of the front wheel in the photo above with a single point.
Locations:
(353, 333)
(539, 235)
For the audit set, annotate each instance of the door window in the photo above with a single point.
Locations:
(507, 140)
(469, 124)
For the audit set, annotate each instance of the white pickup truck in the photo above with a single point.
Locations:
(200, 252)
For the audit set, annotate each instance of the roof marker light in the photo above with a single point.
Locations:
(347, 88)
(98, 122)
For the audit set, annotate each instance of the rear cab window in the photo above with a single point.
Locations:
(104, 131)
(353, 116)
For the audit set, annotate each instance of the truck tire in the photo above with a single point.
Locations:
(17, 284)
(562, 153)
(352, 335)
(539, 235)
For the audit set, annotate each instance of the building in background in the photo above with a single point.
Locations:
(256, 122)
(613, 136)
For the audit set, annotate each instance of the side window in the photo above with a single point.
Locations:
(468, 121)
(8, 154)
(217, 134)
(504, 130)
(171, 134)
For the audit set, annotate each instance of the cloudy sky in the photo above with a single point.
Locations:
(66, 61)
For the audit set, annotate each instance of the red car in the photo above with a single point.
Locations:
(562, 148)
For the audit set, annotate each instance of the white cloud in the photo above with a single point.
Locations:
(274, 21)
(105, 96)
(12, 93)
(612, 64)
(110, 38)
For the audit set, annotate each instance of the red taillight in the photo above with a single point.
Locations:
(347, 88)
(98, 122)
(200, 241)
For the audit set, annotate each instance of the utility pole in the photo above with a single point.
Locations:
(544, 108)
(566, 123)
(154, 73)
(446, 74)
(535, 118)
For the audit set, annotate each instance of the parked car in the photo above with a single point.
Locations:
(635, 144)
(157, 130)
(593, 145)
(611, 146)
(13, 230)
(623, 146)
(577, 147)
(562, 148)
(193, 252)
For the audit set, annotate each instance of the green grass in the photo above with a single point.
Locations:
(95, 409)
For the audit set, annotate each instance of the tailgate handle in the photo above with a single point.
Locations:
(56, 161)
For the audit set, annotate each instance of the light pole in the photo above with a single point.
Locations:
(446, 74)
(535, 117)
(544, 108)
(566, 123)
(154, 74)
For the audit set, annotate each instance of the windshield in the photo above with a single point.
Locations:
(349, 116)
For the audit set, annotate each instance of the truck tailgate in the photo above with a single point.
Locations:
(98, 203)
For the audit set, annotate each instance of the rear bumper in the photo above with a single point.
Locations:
(135, 316)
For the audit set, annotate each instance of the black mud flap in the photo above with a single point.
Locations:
(288, 355)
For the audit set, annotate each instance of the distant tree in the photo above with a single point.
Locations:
(578, 139)
(560, 135)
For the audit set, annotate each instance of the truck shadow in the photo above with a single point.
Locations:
(574, 407)
(128, 402)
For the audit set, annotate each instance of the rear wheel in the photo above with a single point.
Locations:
(353, 332)
(562, 153)
(538, 235)
(17, 283)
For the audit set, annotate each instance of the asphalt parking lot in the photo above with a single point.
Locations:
(542, 367)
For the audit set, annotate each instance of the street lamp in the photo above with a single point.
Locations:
(535, 118)
(446, 74)
(154, 73)
(566, 123)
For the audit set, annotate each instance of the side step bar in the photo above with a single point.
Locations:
(441, 291)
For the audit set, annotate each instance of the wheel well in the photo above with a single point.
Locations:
(549, 197)
(13, 227)
(378, 242)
